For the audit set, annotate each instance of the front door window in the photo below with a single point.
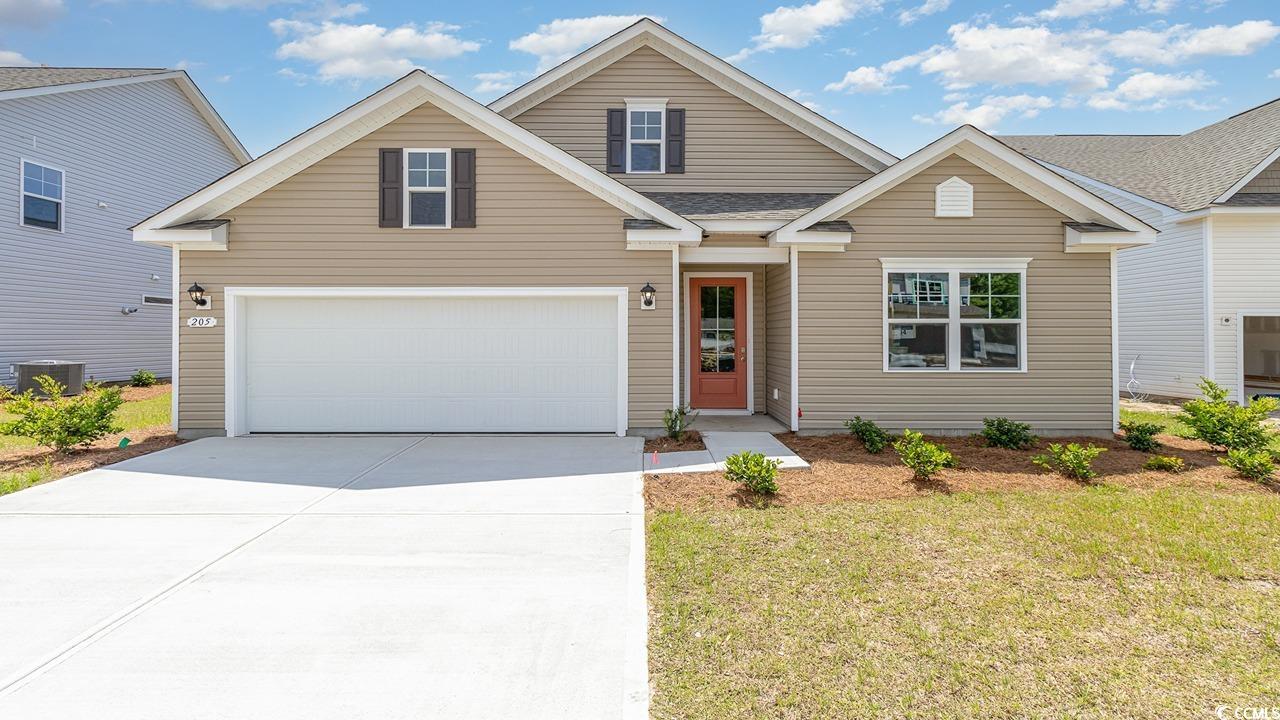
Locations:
(719, 338)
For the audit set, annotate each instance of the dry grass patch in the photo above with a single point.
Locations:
(692, 440)
(842, 470)
(26, 467)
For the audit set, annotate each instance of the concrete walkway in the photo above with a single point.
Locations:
(721, 445)
(330, 577)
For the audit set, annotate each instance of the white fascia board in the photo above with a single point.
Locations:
(730, 255)
(955, 142)
(741, 226)
(986, 264)
(1255, 172)
(207, 239)
(418, 87)
(1199, 215)
(1076, 241)
(663, 239)
(720, 73)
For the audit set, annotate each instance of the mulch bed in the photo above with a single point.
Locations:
(104, 452)
(842, 470)
(692, 440)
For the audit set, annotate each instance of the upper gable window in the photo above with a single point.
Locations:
(41, 196)
(426, 188)
(646, 147)
(953, 198)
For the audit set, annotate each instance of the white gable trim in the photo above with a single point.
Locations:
(990, 155)
(1255, 172)
(713, 69)
(188, 87)
(379, 109)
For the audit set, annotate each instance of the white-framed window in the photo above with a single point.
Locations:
(426, 188)
(41, 198)
(646, 136)
(955, 315)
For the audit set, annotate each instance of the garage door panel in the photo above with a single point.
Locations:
(431, 364)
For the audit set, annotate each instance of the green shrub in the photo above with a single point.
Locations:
(1165, 463)
(1072, 460)
(61, 423)
(677, 421)
(1253, 464)
(143, 378)
(1141, 436)
(873, 437)
(1005, 433)
(925, 459)
(758, 473)
(1226, 424)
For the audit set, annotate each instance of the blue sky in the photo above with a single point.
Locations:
(898, 72)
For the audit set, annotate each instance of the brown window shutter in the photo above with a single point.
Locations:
(390, 195)
(616, 132)
(675, 140)
(464, 187)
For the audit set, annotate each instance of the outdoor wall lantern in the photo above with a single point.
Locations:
(197, 295)
(648, 297)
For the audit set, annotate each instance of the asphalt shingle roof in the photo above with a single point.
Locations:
(1254, 199)
(1186, 172)
(24, 78)
(740, 206)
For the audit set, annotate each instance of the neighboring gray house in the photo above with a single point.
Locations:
(1204, 300)
(85, 153)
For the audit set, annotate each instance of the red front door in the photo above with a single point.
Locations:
(718, 343)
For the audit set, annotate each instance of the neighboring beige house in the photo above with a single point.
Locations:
(1204, 300)
(645, 226)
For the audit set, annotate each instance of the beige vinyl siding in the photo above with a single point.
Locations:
(758, 340)
(731, 146)
(777, 284)
(1068, 386)
(320, 228)
(1267, 181)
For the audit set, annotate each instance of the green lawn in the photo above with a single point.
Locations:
(1101, 602)
(131, 415)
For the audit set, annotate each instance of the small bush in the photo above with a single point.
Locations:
(1226, 424)
(59, 422)
(925, 459)
(753, 470)
(1141, 436)
(143, 378)
(1072, 460)
(873, 437)
(1005, 433)
(677, 421)
(1253, 464)
(1165, 463)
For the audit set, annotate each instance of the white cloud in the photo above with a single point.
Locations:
(1179, 43)
(796, 26)
(494, 82)
(865, 79)
(1078, 8)
(989, 112)
(561, 39)
(1015, 55)
(342, 50)
(1157, 6)
(223, 79)
(930, 7)
(1275, 74)
(30, 13)
(10, 58)
(1149, 91)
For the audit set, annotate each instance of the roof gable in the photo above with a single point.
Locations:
(375, 111)
(647, 33)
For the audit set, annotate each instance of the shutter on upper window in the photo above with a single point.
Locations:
(953, 198)
(616, 140)
(390, 191)
(464, 187)
(675, 140)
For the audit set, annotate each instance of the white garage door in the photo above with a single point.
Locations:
(430, 364)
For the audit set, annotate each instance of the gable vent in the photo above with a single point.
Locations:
(953, 198)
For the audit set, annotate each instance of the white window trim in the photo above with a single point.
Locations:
(22, 193)
(447, 190)
(658, 105)
(954, 267)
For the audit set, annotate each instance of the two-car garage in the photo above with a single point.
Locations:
(381, 360)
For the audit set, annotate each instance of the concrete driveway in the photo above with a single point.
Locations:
(330, 577)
